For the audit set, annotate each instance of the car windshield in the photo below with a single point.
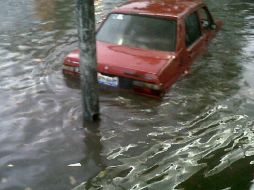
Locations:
(139, 31)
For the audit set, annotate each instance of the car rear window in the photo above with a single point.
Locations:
(139, 31)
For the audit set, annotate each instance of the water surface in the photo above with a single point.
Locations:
(199, 136)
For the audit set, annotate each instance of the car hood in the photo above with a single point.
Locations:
(116, 58)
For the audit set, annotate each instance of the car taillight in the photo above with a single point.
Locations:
(71, 68)
(149, 89)
(148, 92)
(70, 62)
(147, 85)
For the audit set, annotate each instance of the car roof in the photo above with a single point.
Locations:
(164, 8)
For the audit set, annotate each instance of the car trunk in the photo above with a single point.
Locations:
(139, 64)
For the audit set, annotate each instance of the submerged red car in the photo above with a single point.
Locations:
(146, 45)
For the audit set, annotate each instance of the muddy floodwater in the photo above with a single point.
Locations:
(199, 136)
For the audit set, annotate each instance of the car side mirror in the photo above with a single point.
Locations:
(214, 26)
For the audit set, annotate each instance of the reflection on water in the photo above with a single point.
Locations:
(199, 136)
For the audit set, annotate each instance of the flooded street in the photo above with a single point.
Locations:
(200, 135)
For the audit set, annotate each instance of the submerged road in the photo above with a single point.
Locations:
(199, 136)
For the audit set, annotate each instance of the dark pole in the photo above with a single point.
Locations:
(88, 61)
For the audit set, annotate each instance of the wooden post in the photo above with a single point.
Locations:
(88, 62)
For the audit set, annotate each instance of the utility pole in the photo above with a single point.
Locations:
(88, 62)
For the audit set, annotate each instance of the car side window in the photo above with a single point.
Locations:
(205, 17)
(193, 31)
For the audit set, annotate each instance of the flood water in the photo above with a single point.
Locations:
(200, 136)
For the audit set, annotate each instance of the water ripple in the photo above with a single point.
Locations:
(201, 131)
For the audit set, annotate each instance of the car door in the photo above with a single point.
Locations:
(194, 38)
(200, 28)
(208, 26)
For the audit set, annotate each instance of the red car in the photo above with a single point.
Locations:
(147, 45)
